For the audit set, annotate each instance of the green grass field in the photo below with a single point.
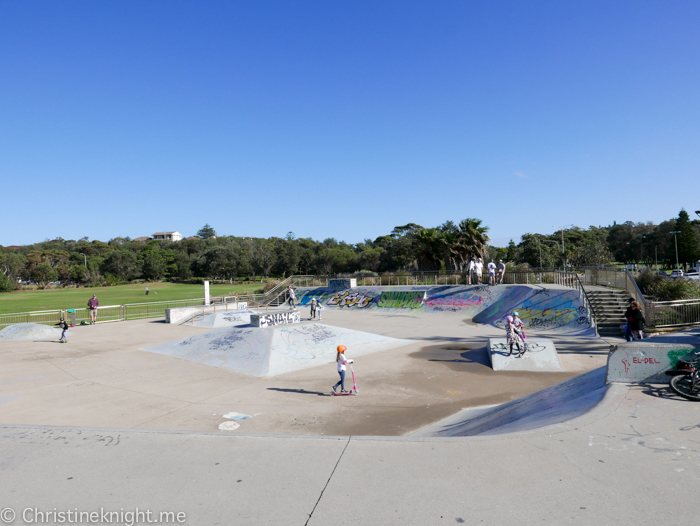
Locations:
(33, 300)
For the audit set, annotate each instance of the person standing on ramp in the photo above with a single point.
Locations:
(292, 298)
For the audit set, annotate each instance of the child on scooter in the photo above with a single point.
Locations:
(342, 360)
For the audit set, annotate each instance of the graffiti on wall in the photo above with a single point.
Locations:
(401, 300)
(304, 297)
(460, 299)
(271, 320)
(547, 309)
(346, 298)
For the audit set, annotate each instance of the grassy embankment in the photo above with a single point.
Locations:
(33, 300)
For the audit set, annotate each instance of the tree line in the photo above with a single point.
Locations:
(448, 247)
(644, 244)
(227, 257)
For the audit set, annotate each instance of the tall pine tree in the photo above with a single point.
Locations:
(688, 245)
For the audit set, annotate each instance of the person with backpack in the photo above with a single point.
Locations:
(313, 303)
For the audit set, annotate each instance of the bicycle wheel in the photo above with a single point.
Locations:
(683, 386)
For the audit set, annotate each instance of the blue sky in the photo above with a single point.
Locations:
(344, 119)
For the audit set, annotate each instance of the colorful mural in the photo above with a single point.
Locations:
(347, 298)
(401, 300)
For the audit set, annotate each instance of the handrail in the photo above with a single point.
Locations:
(587, 302)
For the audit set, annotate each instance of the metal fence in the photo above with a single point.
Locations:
(45, 317)
(669, 314)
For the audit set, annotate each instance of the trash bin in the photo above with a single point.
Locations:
(72, 317)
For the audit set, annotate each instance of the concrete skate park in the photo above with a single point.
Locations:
(234, 424)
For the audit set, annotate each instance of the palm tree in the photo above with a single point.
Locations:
(430, 248)
(471, 240)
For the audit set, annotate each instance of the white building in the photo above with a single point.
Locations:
(168, 236)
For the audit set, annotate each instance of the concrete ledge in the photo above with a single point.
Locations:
(540, 356)
(645, 361)
(179, 314)
(271, 320)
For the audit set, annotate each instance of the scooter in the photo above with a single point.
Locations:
(353, 391)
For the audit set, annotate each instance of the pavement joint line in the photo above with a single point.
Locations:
(328, 481)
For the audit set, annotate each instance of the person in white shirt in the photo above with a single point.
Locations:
(292, 297)
(470, 271)
(342, 361)
(492, 273)
(501, 272)
(479, 269)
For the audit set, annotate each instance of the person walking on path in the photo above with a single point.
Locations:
(470, 270)
(313, 304)
(292, 297)
(479, 269)
(492, 273)
(146, 290)
(342, 360)
(501, 272)
(64, 326)
(92, 304)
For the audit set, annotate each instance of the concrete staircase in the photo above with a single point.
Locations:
(609, 306)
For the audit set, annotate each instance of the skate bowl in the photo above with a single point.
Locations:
(543, 308)
(555, 405)
(30, 331)
(541, 356)
(272, 351)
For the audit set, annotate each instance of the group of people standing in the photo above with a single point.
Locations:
(475, 271)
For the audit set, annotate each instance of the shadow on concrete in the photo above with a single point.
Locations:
(657, 391)
(451, 355)
(297, 391)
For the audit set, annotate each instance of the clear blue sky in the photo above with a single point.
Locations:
(344, 119)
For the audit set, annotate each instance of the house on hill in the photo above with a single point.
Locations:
(168, 236)
(142, 239)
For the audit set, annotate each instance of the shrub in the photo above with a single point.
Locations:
(269, 285)
(666, 289)
(6, 284)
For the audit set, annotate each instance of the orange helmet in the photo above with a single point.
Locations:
(342, 348)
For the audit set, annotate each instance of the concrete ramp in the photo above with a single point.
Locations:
(276, 350)
(30, 331)
(541, 356)
(217, 320)
(554, 405)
